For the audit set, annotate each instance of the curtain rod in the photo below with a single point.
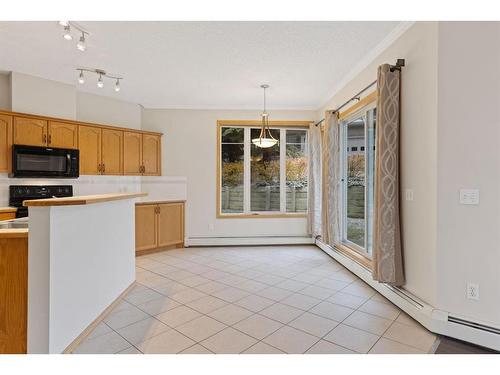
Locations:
(397, 66)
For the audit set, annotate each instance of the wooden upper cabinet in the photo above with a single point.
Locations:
(132, 153)
(145, 227)
(151, 154)
(62, 135)
(170, 224)
(112, 152)
(5, 143)
(89, 143)
(29, 131)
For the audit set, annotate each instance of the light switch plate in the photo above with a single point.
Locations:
(469, 196)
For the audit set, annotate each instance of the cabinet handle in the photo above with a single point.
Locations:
(44, 138)
(99, 168)
(50, 139)
(103, 167)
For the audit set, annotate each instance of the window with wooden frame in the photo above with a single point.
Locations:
(254, 182)
(357, 161)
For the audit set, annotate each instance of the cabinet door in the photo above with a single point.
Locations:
(145, 227)
(89, 143)
(132, 153)
(112, 152)
(170, 224)
(63, 135)
(31, 132)
(151, 154)
(5, 143)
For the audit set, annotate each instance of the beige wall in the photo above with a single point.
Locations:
(418, 46)
(105, 110)
(468, 239)
(189, 149)
(5, 94)
(42, 96)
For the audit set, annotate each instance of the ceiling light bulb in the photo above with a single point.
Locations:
(117, 85)
(81, 46)
(81, 80)
(67, 33)
(100, 83)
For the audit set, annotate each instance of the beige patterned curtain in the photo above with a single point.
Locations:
(330, 213)
(387, 253)
(314, 185)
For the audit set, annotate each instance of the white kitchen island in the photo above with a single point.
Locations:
(81, 259)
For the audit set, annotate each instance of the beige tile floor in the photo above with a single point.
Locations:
(276, 299)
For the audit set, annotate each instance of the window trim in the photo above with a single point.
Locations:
(247, 124)
(359, 109)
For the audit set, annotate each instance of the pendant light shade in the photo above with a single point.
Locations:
(265, 139)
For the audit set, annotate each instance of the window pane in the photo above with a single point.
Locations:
(356, 182)
(264, 175)
(232, 150)
(232, 135)
(296, 171)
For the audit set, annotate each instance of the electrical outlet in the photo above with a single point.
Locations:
(473, 291)
(409, 194)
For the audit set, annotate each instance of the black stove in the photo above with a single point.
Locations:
(20, 193)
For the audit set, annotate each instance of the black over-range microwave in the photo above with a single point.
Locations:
(44, 162)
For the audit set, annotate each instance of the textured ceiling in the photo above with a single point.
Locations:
(199, 64)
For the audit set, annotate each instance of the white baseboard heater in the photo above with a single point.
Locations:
(435, 320)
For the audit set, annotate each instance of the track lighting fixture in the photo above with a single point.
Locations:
(100, 83)
(67, 27)
(101, 74)
(81, 80)
(81, 46)
(67, 33)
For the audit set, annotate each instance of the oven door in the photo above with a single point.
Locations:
(43, 162)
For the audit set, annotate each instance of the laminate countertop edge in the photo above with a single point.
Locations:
(81, 200)
(13, 233)
(160, 201)
(6, 210)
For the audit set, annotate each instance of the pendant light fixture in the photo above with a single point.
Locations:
(265, 139)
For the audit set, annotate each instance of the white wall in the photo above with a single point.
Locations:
(42, 96)
(108, 111)
(189, 149)
(418, 45)
(468, 239)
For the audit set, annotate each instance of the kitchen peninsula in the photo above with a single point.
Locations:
(81, 259)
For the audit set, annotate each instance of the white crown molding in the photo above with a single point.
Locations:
(368, 59)
(216, 107)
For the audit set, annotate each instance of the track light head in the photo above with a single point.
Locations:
(67, 33)
(81, 46)
(81, 79)
(117, 85)
(100, 82)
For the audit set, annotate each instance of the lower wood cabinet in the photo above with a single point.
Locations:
(158, 225)
(13, 295)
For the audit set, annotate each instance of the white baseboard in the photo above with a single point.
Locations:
(249, 241)
(431, 318)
